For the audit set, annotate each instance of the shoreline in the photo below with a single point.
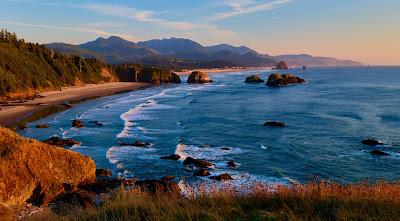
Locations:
(222, 70)
(52, 102)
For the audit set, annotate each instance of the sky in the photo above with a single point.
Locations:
(363, 30)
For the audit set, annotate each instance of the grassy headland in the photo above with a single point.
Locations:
(314, 201)
(27, 67)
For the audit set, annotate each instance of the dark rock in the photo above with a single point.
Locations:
(277, 80)
(304, 67)
(67, 105)
(129, 182)
(103, 172)
(97, 123)
(282, 66)
(222, 177)
(371, 142)
(158, 76)
(225, 148)
(275, 124)
(232, 164)
(202, 172)
(135, 144)
(175, 78)
(42, 125)
(77, 124)
(198, 77)
(171, 157)
(158, 186)
(22, 126)
(167, 178)
(197, 163)
(102, 185)
(67, 201)
(56, 141)
(254, 79)
(379, 153)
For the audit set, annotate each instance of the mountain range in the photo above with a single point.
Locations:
(180, 53)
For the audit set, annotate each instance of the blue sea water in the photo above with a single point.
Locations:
(327, 119)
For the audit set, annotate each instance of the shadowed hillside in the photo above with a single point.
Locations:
(27, 67)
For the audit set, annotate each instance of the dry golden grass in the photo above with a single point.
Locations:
(315, 201)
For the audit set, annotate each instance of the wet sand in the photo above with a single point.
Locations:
(14, 112)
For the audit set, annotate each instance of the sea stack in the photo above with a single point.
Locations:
(254, 79)
(282, 66)
(277, 80)
(198, 77)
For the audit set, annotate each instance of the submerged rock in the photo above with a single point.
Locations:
(232, 164)
(135, 144)
(277, 80)
(42, 125)
(254, 79)
(197, 163)
(202, 172)
(225, 148)
(275, 124)
(282, 66)
(35, 172)
(371, 142)
(198, 77)
(60, 142)
(222, 177)
(22, 126)
(379, 153)
(77, 123)
(171, 157)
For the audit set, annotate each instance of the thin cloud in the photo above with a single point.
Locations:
(243, 8)
(75, 29)
(149, 17)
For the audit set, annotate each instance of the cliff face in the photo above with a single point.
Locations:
(35, 172)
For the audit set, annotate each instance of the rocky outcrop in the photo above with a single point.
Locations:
(198, 77)
(282, 66)
(77, 123)
(379, 153)
(103, 172)
(277, 80)
(254, 79)
(202, 172)
(197, 163)
(232, 164)
(371, 142)
(135, 144)
(275, 124)
(35, 172)
(60, 142)
(158, 76)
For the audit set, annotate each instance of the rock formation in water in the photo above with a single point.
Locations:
(254, 79)
(282, 66)
(277, 80)
(275, 124)
(158, 76)
(371, 142)
(198, 77)
(35, 172)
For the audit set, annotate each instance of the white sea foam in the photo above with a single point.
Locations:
(207, 153)
(121, 154)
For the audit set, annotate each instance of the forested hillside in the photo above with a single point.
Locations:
(26, 67)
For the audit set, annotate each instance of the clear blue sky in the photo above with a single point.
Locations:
(363, 30)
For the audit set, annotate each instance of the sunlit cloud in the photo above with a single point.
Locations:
(248, 7)
(83, 29)
(150, 17)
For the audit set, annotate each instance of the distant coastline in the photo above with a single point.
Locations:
(222, 70)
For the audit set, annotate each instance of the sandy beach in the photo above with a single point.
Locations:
(14, 112)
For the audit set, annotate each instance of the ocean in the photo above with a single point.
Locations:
(327, 119)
